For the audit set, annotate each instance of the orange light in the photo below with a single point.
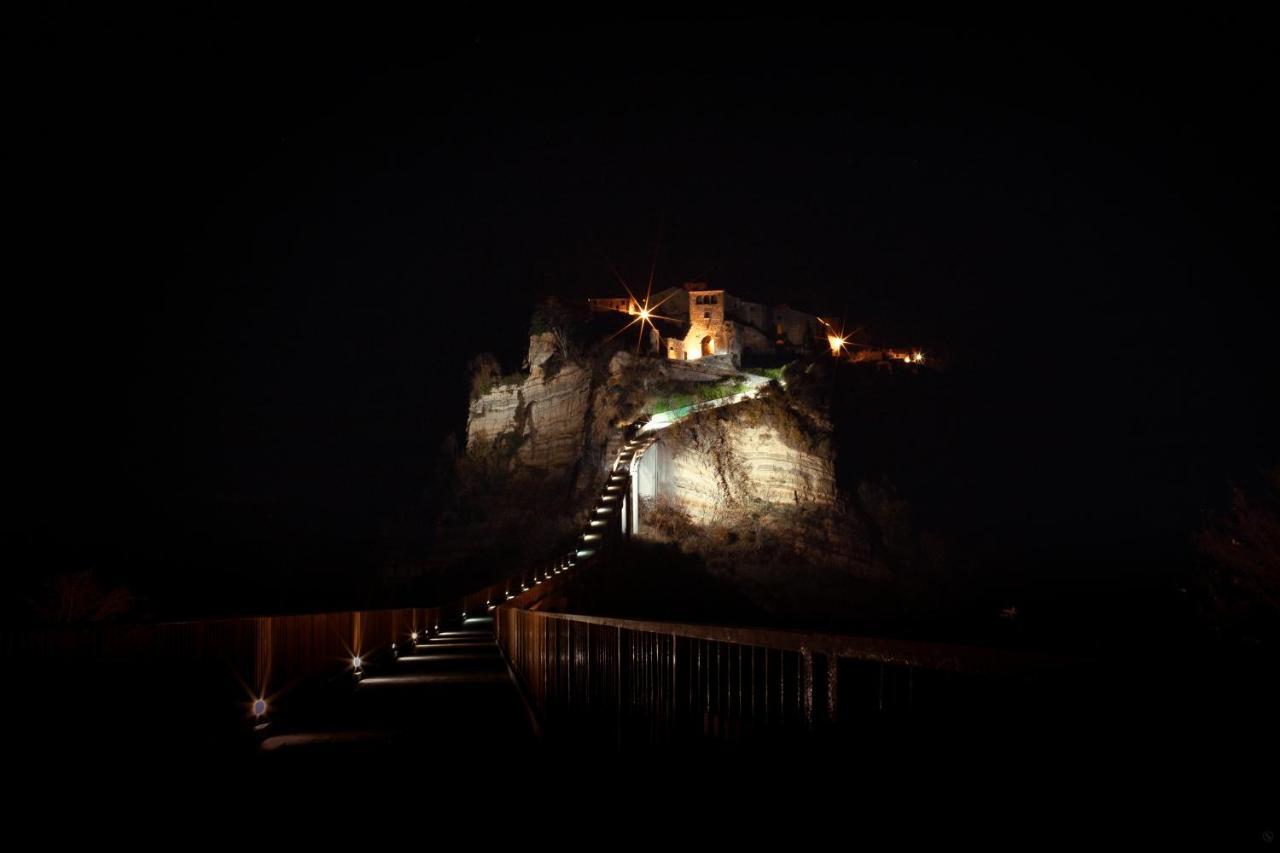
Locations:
(836, 343)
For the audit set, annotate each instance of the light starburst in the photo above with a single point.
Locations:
(838, 340)
(642, 312)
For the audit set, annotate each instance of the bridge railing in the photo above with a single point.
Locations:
(638, 682)
(264, 653)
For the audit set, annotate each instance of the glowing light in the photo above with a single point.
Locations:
(259, 707)
(356, 662)
(642, 312)
(917, 357)
(413, 635)
(836, 342)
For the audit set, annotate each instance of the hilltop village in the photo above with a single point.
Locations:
(695, 322)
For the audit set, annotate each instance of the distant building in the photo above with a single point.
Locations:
(704, 322)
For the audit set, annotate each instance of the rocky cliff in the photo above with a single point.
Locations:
(543, 417)
(750, 489)
(719, 466)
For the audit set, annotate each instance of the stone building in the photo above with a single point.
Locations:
(706, 322)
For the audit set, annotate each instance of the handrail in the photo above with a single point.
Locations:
(951, 657)
(649, 682)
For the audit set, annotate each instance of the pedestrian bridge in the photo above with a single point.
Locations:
(496, 668)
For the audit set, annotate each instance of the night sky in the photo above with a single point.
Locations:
(259, 253)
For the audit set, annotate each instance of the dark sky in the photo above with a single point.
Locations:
(259, 252)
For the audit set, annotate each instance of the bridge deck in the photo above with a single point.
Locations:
(452, 694)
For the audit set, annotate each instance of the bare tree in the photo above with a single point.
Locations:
(1244, 544)
(484, 370)
(75, 597)
(553, 316)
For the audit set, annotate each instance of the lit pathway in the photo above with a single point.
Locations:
(449, 695)
(662, 420)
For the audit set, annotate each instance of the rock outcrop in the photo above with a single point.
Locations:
(542, 416)
(721, 467)
(751, 488)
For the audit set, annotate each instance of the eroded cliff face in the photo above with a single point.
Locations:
(544, 417)
(559, 417)
(719, 467)
(752, 487)
(536, 450)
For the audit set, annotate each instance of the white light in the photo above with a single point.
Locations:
(355, 662)
(259, 707)
(414, 636)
